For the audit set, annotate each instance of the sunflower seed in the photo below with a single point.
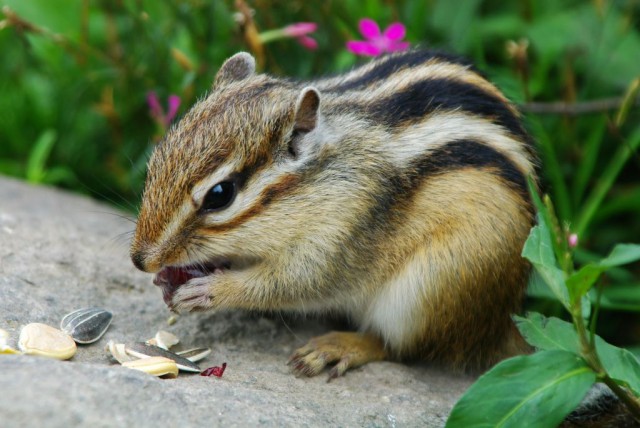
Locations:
(86, 325)
(156, 366)
(142, 350)
(41, 339)
(194, 354)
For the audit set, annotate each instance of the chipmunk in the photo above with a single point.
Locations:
(394, 195)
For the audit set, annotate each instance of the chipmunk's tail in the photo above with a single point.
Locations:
(600, 408)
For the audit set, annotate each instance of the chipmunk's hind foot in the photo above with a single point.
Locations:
(346, 350)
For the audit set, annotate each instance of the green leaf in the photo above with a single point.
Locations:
(621, 255)
(540, 389)
(548, 333)
(538, 249)
(621, 365)
(580, 282)
(39, 155)
(554, 334)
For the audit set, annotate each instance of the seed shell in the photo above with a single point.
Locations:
(156, 366)
(194, 354)
(86, 325)
(44, 340)
(142, 350)
(118, 352)
(164, 339)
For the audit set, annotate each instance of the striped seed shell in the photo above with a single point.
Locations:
(156, 366)
(44, 340)
(194, 354)
(86, 325)
(142, 350)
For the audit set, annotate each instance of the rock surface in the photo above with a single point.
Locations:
(60, 252)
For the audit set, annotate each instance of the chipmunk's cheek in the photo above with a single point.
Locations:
(195, 295)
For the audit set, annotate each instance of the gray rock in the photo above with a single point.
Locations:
(60, 252)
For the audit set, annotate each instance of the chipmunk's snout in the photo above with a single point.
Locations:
(138, 260)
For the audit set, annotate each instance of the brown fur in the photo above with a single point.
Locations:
(412, 228)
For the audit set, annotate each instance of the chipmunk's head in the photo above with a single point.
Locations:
(212, 182)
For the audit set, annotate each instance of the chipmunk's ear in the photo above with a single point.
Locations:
(307, 107)
(238, 67)
(306, 117)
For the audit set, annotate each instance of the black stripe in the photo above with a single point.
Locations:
(390, 64)
(430, 95)
(470, 154)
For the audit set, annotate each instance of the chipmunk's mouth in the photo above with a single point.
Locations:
(170, 278)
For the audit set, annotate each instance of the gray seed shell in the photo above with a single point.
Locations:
(194, 354)
(142, 350)
(86, 325)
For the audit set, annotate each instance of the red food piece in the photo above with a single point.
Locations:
(214, 371)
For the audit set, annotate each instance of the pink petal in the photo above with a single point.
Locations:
(363, 48)
(573, 240)
(369, 28)
(174, 104)
(395, 31)
(397, 46)
(154, 105)
(300, 29)
(308, 42)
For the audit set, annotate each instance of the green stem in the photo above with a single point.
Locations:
(606, 181)
(271, 35)
(590, 355)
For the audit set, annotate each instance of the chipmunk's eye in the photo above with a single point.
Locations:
(219, 196)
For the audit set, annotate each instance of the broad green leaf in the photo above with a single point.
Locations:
(581, 281)
(539, 251)
(540, 389)
(621, 365)
(621, 255)
(555, 334)
(548, 333)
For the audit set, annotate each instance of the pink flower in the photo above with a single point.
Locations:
(300, 31)
(157, 112)
(573, 240)
(376, 42)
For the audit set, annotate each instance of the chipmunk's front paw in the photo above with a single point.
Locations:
(347, 350)
(195, 295)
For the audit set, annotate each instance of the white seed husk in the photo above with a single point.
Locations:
(164, 339)
(194, 354)
(46, 341)
(156, 366)
(86, 325)
(118, 352)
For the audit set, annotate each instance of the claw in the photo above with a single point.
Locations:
(347, 350)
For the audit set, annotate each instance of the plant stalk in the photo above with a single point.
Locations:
(590, 355)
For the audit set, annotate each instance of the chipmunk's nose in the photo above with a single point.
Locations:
(138, 260)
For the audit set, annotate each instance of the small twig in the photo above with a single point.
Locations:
(574, 109)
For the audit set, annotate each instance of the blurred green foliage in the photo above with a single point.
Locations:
(76, 73)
